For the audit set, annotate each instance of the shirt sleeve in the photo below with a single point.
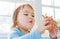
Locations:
(32, 35)
(13, 34)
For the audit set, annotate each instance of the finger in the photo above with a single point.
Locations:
(46, 23)
(47, 19)
(48, 26)
(55, 27)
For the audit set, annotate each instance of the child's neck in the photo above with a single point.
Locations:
(23, 30)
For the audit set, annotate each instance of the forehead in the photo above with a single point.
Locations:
(28, 9)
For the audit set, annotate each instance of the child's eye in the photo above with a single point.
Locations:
(33, 16)
(26, 14)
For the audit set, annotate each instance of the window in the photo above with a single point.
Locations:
(51, 7)
(57, 3)
(47, 10)
(57, 11)
(6, 11)
(46, 2)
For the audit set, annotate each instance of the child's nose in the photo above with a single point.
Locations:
(30, 17)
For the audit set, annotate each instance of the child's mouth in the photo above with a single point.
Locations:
(30, 21)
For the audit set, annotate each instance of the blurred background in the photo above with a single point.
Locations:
(7, 7)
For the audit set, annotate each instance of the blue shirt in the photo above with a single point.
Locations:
(17, 34)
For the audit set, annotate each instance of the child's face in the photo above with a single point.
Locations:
(26, 18)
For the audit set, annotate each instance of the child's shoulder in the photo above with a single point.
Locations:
(13, 33)
(16, 31)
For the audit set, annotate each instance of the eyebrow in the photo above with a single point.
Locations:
(28, 11)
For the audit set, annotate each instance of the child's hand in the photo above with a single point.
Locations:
(52, 27)
(42, 26)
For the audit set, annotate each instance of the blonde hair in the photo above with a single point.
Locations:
(16, 14)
